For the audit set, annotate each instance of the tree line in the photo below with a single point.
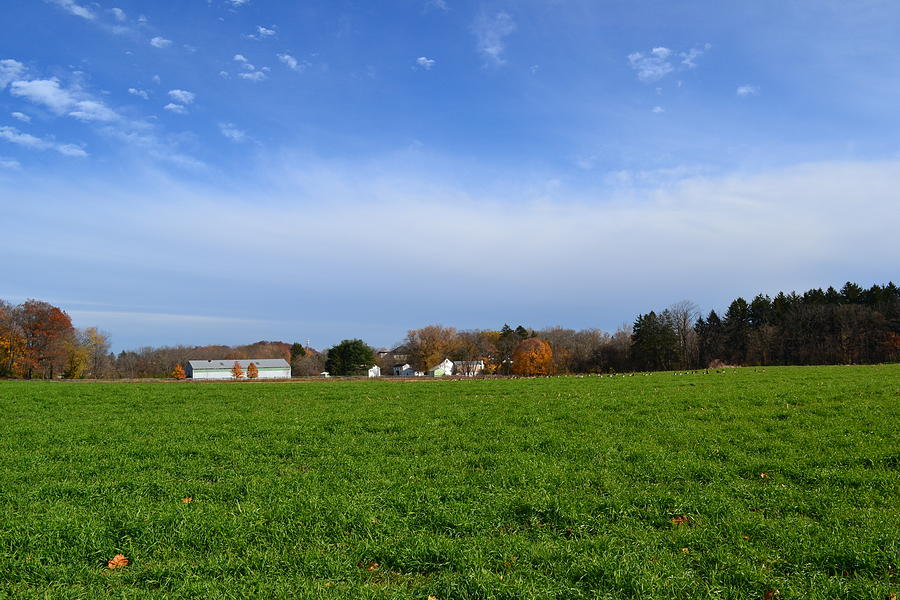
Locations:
(852, 325)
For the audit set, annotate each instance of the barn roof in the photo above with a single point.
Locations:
(262, 363)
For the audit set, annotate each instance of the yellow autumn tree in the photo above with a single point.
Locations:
(236, 371)
(532, 357)
(178, 372)
(252, 371)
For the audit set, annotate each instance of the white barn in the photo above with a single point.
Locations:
(269, 368)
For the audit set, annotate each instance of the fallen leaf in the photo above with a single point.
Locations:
(187, 499)
(763, 476)
(770, 593)
(372, 566)
(746, 537)
(684, 550)
(432, 597)
(117, 562)
(681, 520)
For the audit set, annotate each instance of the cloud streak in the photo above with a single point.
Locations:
(14, 136)
(491, 32)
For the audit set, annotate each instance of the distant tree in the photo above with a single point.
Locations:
(78, 356)
(178, 372)
(683, 314)
(297, 352)
(655, 343)
(430, 345)
(311, 364)
(737, 326)
(533, 356)
(12, 340)
(46, 331)
(252, 371)
(236, 371)
(350, 357)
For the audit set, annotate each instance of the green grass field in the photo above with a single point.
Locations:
(529, 488)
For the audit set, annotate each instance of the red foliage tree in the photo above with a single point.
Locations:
(252, 371)
(532, 357)
(45, 329)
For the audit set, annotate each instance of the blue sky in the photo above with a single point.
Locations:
(223, 171)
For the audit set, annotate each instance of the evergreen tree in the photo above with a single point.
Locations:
(350, 357)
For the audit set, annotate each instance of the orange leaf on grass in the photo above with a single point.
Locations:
(681, 520)
(117, 562)
(187, 499)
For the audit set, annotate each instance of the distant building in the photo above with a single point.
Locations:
(398, 354)
(375, 371)
(268, 368)
(468, 368)
(445, 367)
(405, 370)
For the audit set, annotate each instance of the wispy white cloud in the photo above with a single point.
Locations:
(658, 110)
(139, 93)
(263, 32)
(491, 32)
(21, 116)
(292, 63)
(253, 76)
(747, 90)
(91, 110)
(182, 96)
(237, 3)
(73, 102)
(47, 92)
(425, 63)
(178, 109)
(14, 136)
(75, 9)
(10, 70)
(251, 73)
(438, 4)
(10, 163)
(232, 133)
(652, 66)
(119, 14)
(658, 62)
(689, 58)
(160, 42)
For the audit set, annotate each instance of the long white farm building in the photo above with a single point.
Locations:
(269, 368)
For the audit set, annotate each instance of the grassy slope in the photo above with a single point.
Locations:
(473, 489)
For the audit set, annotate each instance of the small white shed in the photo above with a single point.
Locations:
(375, 371)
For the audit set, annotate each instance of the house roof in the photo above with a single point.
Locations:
(262, 363)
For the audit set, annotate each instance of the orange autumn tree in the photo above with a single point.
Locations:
(45, 331)
(178, 372)
(252, 371)
(236, 371)
(532, 357)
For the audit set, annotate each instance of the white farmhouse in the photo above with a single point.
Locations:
(268, 368)
(445, 367)
(375, 371)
